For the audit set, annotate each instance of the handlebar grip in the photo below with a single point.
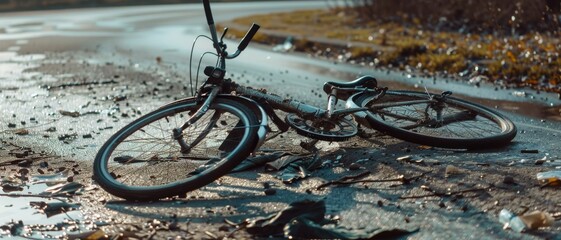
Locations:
(208, 12)
(248, 36)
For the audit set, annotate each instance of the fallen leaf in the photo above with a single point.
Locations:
(70, 188)
(68, 113)
(53, 208)
(537, 219)
(452, 170)
(21, 132)
(91, 235)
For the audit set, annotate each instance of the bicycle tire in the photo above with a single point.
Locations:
(495, 130)
(147, 150)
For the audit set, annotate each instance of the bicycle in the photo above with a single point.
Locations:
(189, 143)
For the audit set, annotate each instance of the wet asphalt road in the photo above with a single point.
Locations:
(134, 37)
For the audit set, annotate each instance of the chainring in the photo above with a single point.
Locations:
(322, 128)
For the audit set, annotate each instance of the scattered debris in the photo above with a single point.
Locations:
(21, 132)
(303, 228)
(540, 161)
(509, 180)
(306, 220)
(78, 84)
(476, 80)
(286, 46)
(96, 234)
(20, 153)
(9, 187)
(404, 158)
(537, 219)
(65, 188)
(66, 137)
(519, 93)
(355, 166)
(22, 161)
(12, 228)
(70, 114)
(253, 162)
(451, 170)
(119, 98)
(293, 173)
(49, 179)
(344, 180)
(551, 178)
(352, 179)
(294, 167)
(54, 208)
(445, 194)
(270, 191)
(285, 161)
(528, 221)
(529, 151)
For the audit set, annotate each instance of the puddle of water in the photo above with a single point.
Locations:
(13, 69)
(50, 222)
(15, 209)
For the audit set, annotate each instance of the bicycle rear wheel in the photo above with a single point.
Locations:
(452, 123)
(144, 160)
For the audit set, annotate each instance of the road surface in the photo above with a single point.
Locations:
(53, 63)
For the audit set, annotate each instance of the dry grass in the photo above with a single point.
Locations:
(506, 16)
(526, 58)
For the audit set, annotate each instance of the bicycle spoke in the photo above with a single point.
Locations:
(421, 117)
(141, 156)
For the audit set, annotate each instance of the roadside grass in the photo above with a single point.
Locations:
(531, 59)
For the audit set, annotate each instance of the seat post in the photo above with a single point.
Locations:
(331, 101)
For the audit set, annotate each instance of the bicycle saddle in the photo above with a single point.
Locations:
(364, 81)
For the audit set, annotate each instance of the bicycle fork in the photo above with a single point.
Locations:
(178, 132)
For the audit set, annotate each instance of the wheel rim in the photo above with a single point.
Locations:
(460, 122)
(151, 159)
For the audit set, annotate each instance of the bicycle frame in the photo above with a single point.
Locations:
(216, 84)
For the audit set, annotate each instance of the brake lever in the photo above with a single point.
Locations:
(223, 35)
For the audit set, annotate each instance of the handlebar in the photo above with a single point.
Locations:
(219, 45)
(248, 36)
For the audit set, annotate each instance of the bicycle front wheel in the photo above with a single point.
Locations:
(145, 160)
(452, 123)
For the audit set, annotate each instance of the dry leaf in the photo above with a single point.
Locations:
(452, 170)
(21, 131)
(537, 219)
